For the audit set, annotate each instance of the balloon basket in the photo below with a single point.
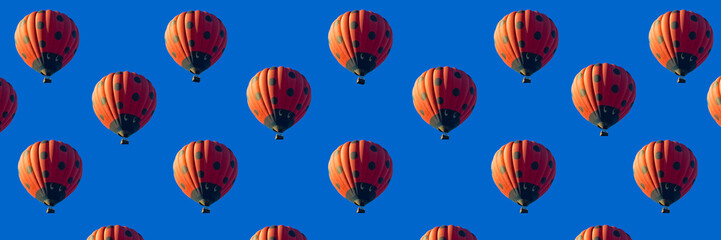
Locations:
(279, 136)
(196, 78)
(445, 137)
(665, 210)
(524, 210)
(604, 133)
(361, 210)
(681, 80)
(50, 210)
(526, 80)
(206, 210)
(47, 80)
(361, 81)
(124, 141)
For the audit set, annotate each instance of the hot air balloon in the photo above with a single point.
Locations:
(604, 232)
(115, 232)
(448, 232)
(526, 40)
(714, 100)
(681, 41)
(278, 232)
(205, 171)
(523, 170)
(50, 171)
(46, 40)
(195, 40)
(603, 93)
(8, 104)
(278, 97)
(360, 171)
(124, 102)
(665, 171)
(444, 97)
(360, 40)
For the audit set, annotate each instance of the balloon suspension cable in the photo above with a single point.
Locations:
(524, 210)
(47, 80)
(604, 133)
(526, 80)
(196, 78)
(278, 136)
(124, 141)
(361, 80)
(445, 137)
(361, 210)
(50, 210)
(206, 210)
(665, 210)
(681, 80)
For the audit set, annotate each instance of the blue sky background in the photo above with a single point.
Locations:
(286, 182)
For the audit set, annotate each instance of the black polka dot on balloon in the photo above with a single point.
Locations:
(374, 148)
(371, 165)
(291, 232)
(61, 165)
(457, 74)
(582, 92)
(77, 163)
(659, 39)
(216, 165)
(374, 18)
(201, 174)
(184, 169)
(692, 164)
(380, 50)
(188, 25)
(471, 90)
(353, 155)
(356, 174)
(119, 105)
(232, 164)
(519, 25)
(464, 106)
(356, 44)
(616, 71)
(424, 96)
(596, 78)
(215, 49)
(676, 44)
(272, 81)
(534, 165)
(42, 43)
(222, 34)
(599, 97)
(519, 174)
(43, 155)
(388, 34)
(118, 86)
(136, 96)
(694, 18)
(372, 35)
(289, 92)
(692, 35)
(614, 88)
(630, 86)
(700, 50)
(388, 164)
(504, 39)
(545, 50)
(60, 18)
(537, 35)
(543, 180)
(456, 92)
(274, 100)
(516, 155)
(58, 35)
(437, 81)
(616, 233)
(539, 18)
(46, 174)
(63, 148)
(191, 43)
(502, 169)
(26, 39)
(291, 74)
(708, 33)
(74, 34)
(521, 44)
(623, 103)
(553, 34)
(676, 165)
(550, 163)
(298, 106)
(257, 96)
(659, 155)
(208, 18)
(685, 180)
(40, 25)
(536, 148)
(678, 148)
(439, 100)
(198, 155)
(70, 180)
(660, 174)
(353, 25)
(305, 90)
(206, 35)
(674, 25)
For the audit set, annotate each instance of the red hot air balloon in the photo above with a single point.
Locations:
(681, 41)
(205, 171)
(360, 171)
(604, 232)
(665, 171)
(8, 104)
(444, 97)
(46, 40)
(448, 232)
(278, 232)
(124, 102)
(526, 41)
(279, 97)
(360, 40)
(50, 171)
(714, 100)
(115, 232)
(603, 93)
(195, 40)
(523, 171)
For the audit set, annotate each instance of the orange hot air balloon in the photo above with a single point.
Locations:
(360, 40)
(46, 40)
(205, 171)
(681, 41)
(526, 40)
(195, 40)
(279, 97)
(115, 232)
(50, 171)
(714, 100)
(604, 232)
(665, 171)
(124, 102)
(603, 93)
(8, 104)
(523, 171)
(444, 97)
(278, 232)
(448, 232)
(360, 171)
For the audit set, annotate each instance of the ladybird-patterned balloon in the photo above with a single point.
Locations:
(278, 232)
(115, 232)
(523, 170)
(8, 104)
(680, 40)
(360, 40)
(205, 171)
(665, 171)
(50, 170)
(449, 232)
(278, 97)
(526, 40)
(604, 232)
(46, 40)
(713, 99)
(124, 102)
(195, 40)
(603, 94)
(444, 97)
(360, 171)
